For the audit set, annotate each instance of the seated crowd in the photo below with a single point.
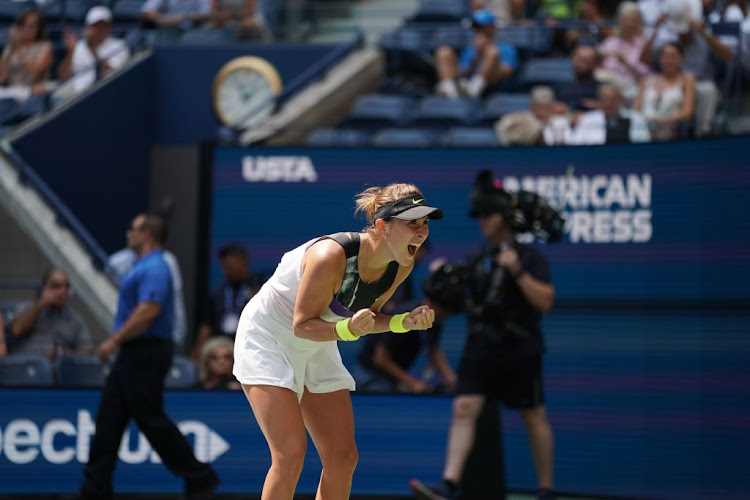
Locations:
(618, 71)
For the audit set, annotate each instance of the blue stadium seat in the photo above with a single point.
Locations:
(24, 370)
(9, 110)
(81, 371)
(443, 112)
(546, 71)
(407, 48)
(431, 11)
(127, 11)
(9, 9)
(332, 137)
(499, 104)
(182, 374)
(470, 137)
(373, 111)
(532, 40)
(405, 138)
(452, 35)
(75, 10)
(201, 36)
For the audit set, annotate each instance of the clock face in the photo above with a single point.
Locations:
(243, 92)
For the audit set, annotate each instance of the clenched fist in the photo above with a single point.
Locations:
(362, 322)
(420, 318)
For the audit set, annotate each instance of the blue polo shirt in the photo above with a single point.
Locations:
(508, 55)
(149, 281)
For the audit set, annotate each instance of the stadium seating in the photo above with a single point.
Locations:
(442, 112)
(182, 374)
(440, 11)
(24, 370)
(81, 371)
(373, 111)
(499, 104)
(332, 137)
(470, 137)
(405, 137)
(545, 71)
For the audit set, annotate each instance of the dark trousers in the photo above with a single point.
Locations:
(135, 389)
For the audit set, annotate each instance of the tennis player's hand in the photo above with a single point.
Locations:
(362, 322)
(421, 318)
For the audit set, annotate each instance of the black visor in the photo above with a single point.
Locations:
(410, 207)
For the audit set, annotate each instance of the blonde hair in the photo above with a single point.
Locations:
(629, 8)
(542, 94)
(371, 199)
(207, 349)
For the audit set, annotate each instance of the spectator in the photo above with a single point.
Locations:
(242, 17)
(592, 25)
(612, 123)
(215, 367)
(175, 14)
(121, 263)
(667, 98)
(135, 386)
(483, 65)
(682, 22)
(551, 115)
(506, 11)
(49, 326)
(621, 52)
(229, 298)
(520, 128)
(3, 344)
(580, 94)
(384, 362)
(26, 61)
(96, 54)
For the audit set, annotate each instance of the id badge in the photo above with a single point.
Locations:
(229, 323)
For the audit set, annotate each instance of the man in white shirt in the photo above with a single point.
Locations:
(612, 123)
(94, 55)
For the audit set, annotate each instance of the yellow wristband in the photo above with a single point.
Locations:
(343, 332)
(397, 323)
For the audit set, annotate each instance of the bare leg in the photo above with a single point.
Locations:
(330, 420)
(278, 414)
(466, 409)
(541, 442)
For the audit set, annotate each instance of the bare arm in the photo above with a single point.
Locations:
(25, 321)
(688, 103)
(383, 360)
(3, 345)
(717, 46)
(441, 364)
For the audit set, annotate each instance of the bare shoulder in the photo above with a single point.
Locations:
(325, 253)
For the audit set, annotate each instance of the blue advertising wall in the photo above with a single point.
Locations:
(646, 373)
(656, 222)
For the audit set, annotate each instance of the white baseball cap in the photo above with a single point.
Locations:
(98, 13)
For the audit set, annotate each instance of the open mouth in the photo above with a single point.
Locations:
(412, 249)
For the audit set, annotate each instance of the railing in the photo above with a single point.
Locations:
(63, 215)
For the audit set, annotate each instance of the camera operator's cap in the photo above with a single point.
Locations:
(410, 207)
(98, 13)
(482, 17)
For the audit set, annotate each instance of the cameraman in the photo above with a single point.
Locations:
(508, 287)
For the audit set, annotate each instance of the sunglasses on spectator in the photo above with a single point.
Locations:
(214, 357)
(59, 284)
